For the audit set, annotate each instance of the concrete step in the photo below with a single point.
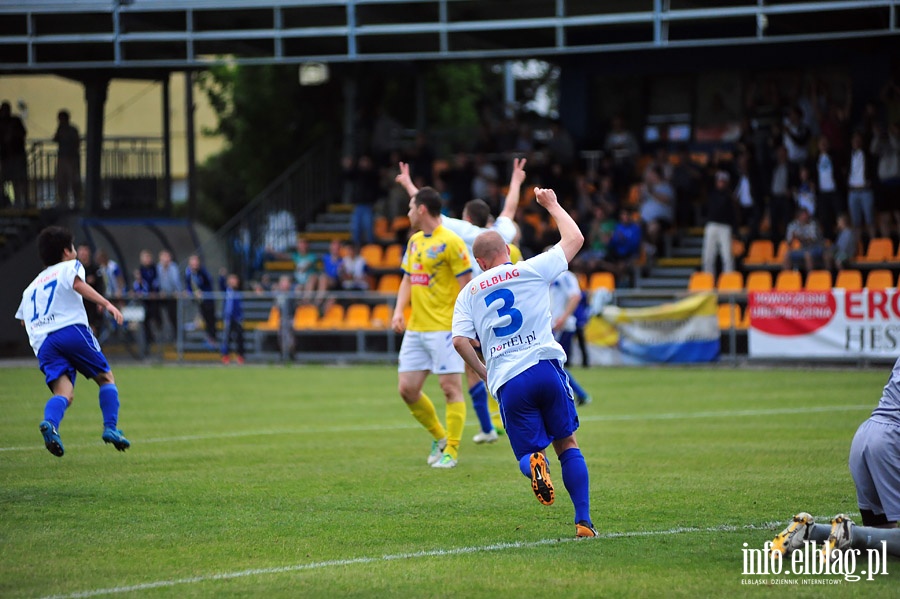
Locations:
(672, 271)
(681, 261)
(319, 227)
(686, 252)
(663, 283)
(334, 217)
(340, 208)
(692, 242)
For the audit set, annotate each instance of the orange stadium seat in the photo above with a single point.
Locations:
(388, 283)
(701, 281)
(582, 280)
(880, 279)
(606, 280)
(881, 249)
(358, 316)
(274, 321)
(737, 248)
(381, 316)
(730, 282)
(850, 279)
(306, 317)
(788, 280)
(333, 317)
(818, 280)
(780, 255)
(393, 255)
(759, 280)
(729, 314)
(760, 252)
(372, 253)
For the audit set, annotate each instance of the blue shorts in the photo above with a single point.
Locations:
(537, 407)
(70, 350)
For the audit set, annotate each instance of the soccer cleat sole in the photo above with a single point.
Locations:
(540, 479)
(51, 439)
(583, 530)
(784, 543)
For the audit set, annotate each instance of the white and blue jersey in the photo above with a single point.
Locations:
(562, 290)
(57, 325)
(51, 303)
(508, 308)
(504, 226)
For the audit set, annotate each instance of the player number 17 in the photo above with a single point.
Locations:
(52, 287)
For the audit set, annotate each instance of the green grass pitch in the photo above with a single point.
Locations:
(312, 482)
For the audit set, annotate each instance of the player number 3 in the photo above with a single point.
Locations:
(515, 317)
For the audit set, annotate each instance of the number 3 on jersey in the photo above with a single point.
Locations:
(52, 286)
(515, 317)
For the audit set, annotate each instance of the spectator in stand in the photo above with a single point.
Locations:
(353, 270)
(458, 179)
(330, 277)
(285, 302)
(749, 195)
(805, 240)
(363, 185)
(781, 203)
(805, 193)
(306, 264)
(600, 230)
(171, 286)
(232, 319)
(68, 162)
(150, 288)
(485, 175)
(719, 224)
(661, 161)
(621, 144)
(829, 201)
(94, 311)
(796, 137)
(886, 147)
(13, 159)
(113, 287)
(199, 285)
(624, 246)
(834, 125)
(861, 177)
(657, 209)
(843, 252)
(687, 180)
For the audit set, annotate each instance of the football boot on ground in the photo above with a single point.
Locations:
(51, 439)
(115, 436)
(437, 450)
(446, 461)
(792, 538)
(585, 530)
(483, 437)
(540, 479)
(839, 538)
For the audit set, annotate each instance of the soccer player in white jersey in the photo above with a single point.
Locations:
(507, 307)
(52, 312)
(473, 223)
(875, 468)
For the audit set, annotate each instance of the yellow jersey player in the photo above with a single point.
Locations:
(436, 266)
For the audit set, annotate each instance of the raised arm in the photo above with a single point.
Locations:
(515, 187)
(405, 180)
(571, 238)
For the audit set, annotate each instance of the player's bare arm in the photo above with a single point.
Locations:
(398, 323)
(571, 238)
(464, 347)
(89, 293)
(511, 204)
(405, 180)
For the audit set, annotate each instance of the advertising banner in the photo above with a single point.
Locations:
(836, 323)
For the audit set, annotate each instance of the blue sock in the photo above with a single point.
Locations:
(109, 405)
(577, 389)
(480, 403)
(55, 409)
(525, 465)
(575, 478)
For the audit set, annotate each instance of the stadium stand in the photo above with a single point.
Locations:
(759, 280)
(701, 281)
(818, 280)
(730, 282)
(358, 316)
(604, 280)
(388, 283)
(760, 253)
(880, 249)
(849, 279)
(879, 279)
(306, 317)
(788, 280)
(333, 317)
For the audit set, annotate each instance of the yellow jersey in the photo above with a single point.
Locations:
(433, 262)
(515, 254)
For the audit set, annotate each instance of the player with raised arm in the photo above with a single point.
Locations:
(436, 266)
(52, 312)
(473, 223)
(508, 308)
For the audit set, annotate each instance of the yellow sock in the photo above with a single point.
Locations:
(494, 408)
(456, 420)
(423, 411)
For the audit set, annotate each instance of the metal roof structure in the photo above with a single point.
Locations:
(132, 35)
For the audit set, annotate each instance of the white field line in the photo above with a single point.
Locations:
(391, 427)
(404, 556)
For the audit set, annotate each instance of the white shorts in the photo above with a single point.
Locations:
(875, 467)
(430, 350)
